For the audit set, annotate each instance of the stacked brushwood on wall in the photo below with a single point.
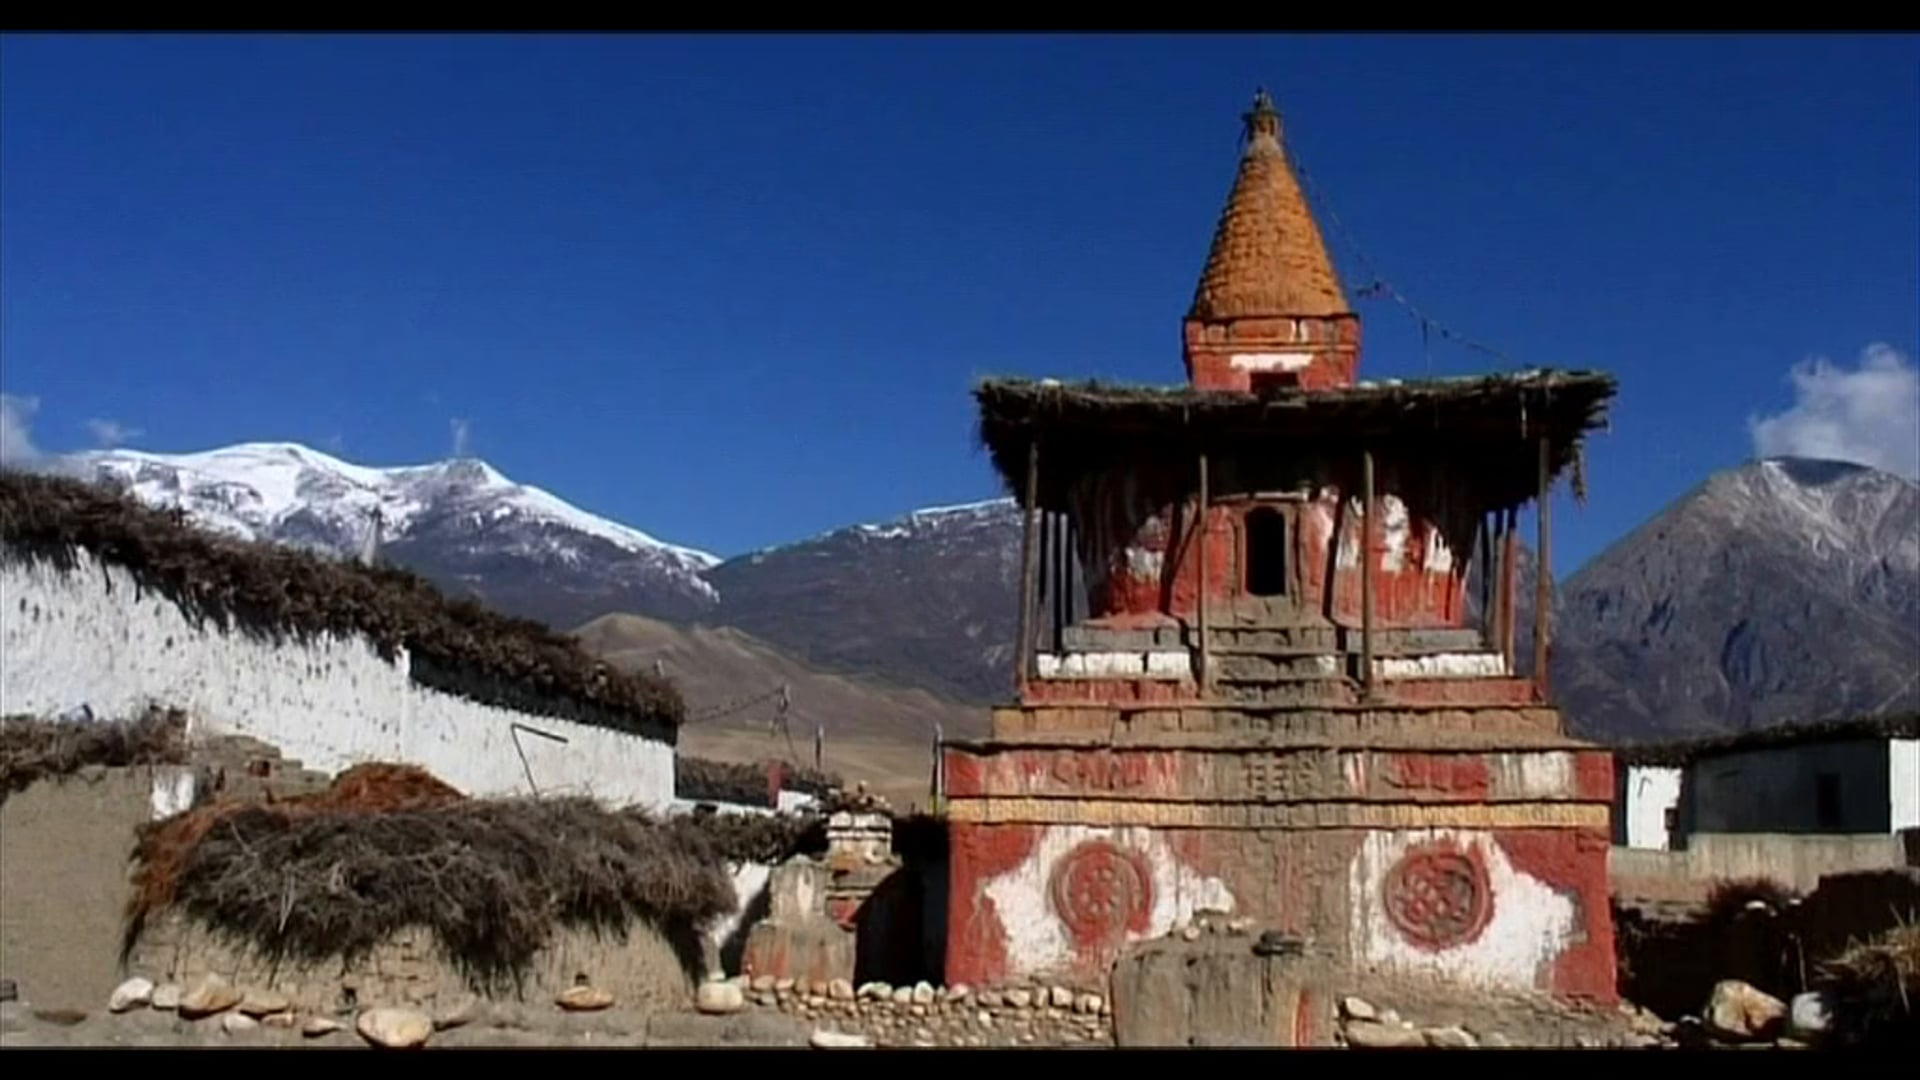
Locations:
(702, 780)
(276, 592)
(34, 749)
(334, 875)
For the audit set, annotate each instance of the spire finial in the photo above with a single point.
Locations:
(1264, 119)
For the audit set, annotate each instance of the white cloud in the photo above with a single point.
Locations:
(112, 433)
(16, 430)
(462, 437)
(1869, 416)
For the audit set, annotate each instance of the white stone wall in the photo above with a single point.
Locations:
(1651, 790)
(1903, 783)
(93, 637)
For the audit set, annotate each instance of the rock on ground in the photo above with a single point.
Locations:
(1374, 1035)
(1739, 1011)
(131, 994)
(167, 996)
(394, 1029)
(716, 998)
(257, 1003)
(590, 998)
(209, 996)
(837, 1040)
(1811, 1014)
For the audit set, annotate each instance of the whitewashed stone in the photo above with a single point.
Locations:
(923, 993)
(840, 990)
(1811, 1013)
(167, 996)
(131, 994)
(319, 1026)
(719, 998)
(1354, 1008)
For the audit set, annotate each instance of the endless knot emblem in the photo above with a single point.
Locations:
(1438, 897)
(1099, 890)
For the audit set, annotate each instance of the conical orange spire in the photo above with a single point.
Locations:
(1269, 281)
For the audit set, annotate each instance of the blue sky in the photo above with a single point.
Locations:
(734, 290)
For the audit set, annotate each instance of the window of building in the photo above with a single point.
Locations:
(1266, 552)
(1266, 382)
(1826, 799)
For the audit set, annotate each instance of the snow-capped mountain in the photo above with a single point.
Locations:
(1783, 591)
(459, 522)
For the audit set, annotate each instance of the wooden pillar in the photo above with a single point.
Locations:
(1368, 517)
(1031, 496)
(1488, 622)
(1543, 579)
(1200, 590)
(1062, 582)
(1509, 586)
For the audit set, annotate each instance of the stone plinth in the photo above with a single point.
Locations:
(1170, 993)
(1466, 844)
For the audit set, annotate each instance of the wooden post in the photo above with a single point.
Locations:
(1200, 588)
(1062, 579)
(1368, 516)
(1023, 664)
(1543, 573)
(1487, 623)
(1509, 587)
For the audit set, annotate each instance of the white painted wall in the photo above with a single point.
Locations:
(92, 637)
(1037, 942)
(1903, 782)
(1531, 925)
(1651, 790)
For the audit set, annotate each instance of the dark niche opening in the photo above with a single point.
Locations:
(1266, 552)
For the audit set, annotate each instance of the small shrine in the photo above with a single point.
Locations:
(1247, 679)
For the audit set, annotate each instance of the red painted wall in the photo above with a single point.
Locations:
(1157, 570)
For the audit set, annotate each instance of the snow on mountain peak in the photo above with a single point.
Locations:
(1833, 506)
(289, 492)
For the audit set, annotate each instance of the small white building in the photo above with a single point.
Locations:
(1857, 777)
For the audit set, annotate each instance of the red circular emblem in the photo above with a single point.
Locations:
(1099, 891)
(1438, 897)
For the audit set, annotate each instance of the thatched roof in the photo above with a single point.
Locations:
(277, 591)
(701, 780)
(1783, 736)
(1486, 422)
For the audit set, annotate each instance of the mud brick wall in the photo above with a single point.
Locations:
(642, 970)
